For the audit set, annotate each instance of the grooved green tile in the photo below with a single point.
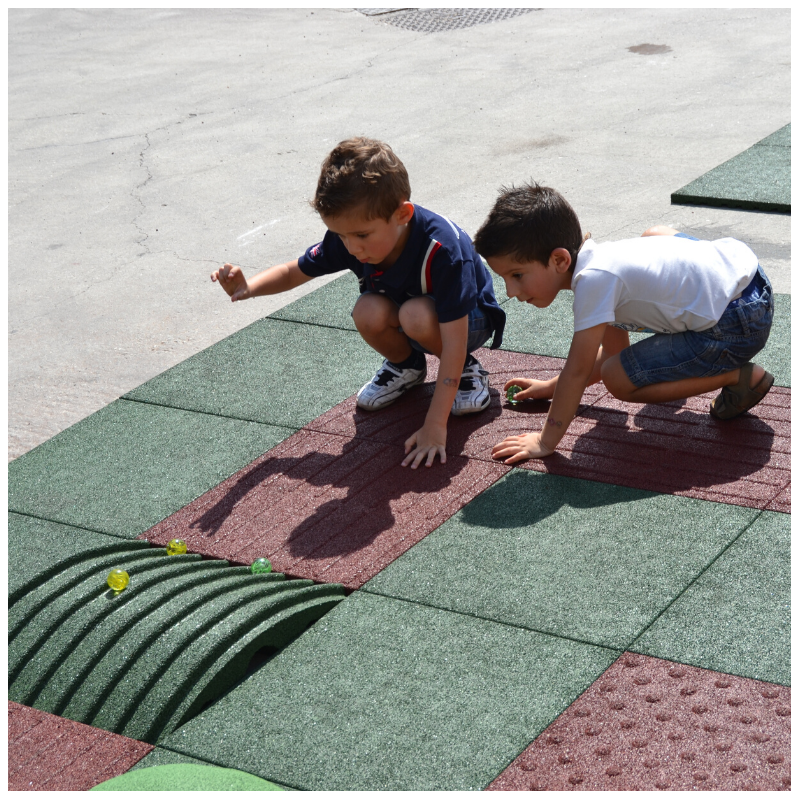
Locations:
(386, 695)
(758, 179)
(129, 465)
(548, 332)
(736, 617)
(35, 546)
(574, 558)
(275, 372)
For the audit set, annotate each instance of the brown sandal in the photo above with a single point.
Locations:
(736, 399)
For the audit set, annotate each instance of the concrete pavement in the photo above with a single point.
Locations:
(146, 147)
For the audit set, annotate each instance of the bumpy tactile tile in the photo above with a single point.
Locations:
(49, 753)
(673, 448)
(736, 617)
(649, 724)
(326, 507)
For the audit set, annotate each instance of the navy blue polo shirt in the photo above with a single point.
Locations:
(438, 260)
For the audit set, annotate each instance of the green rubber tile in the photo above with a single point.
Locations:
(275, 372)
(386, 695)
(35, 546)
(757, 179)
(130, 465)
(548, 332)
(331, 304)
(776, 357)
(735, 618)
(590, 561)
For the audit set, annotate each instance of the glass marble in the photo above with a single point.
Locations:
(176, 547)
(260, 566)
(118, 579)
(512, 390)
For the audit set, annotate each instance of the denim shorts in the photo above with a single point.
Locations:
(479, 332)
(740, 333)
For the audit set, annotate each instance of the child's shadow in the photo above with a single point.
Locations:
(371, 489)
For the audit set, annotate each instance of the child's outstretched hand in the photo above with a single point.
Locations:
(531, 389)
(521, 448)
(232, 280)
(427, 441)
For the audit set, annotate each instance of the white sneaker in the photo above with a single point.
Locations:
(473, 391)
(387, 385)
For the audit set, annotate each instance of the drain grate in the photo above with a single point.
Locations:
(434, 20)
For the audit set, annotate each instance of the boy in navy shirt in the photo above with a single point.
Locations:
(424, 288)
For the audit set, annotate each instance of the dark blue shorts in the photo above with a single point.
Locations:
(479, 333)
(738, 336)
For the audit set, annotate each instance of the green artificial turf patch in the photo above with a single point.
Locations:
(757, 179)
(275, 372)
(383, 694)
(574, 558)
(186, 778)
(735, 618)
(130, 465)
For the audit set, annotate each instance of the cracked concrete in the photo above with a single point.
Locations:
(147, 147)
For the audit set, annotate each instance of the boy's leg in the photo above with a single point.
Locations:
(377, 319)
(620, 385)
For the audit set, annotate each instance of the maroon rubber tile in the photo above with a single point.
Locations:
(650, 724)
(49, 753)
(782, 502)
(672, 448)
(326, 507)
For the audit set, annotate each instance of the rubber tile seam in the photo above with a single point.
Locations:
(693, 581)
(491, 620)
(69, 525)
(206, 413)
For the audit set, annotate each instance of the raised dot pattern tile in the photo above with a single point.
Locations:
(326, 507)
(649, 724)
(49, 753)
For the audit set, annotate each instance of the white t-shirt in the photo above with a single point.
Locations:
(659, 284)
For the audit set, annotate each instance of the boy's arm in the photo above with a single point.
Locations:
(431, 438)
(572, 382)
(271, 281)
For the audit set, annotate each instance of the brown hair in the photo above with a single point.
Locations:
(361, 172)
(528, 223)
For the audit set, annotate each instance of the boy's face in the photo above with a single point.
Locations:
(532, 281)
(373, 241)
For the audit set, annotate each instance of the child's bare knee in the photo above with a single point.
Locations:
(373, 313)
(418, 316)
(616, 380)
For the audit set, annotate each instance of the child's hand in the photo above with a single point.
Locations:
(531, 389)
(520, 448)
(427, 441)
(232, 280)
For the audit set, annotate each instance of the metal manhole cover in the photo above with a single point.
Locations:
(434, 20)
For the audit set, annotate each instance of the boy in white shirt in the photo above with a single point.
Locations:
(709, 305)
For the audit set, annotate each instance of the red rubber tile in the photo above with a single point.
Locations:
(326, 507)
(674, 448)
(650, 724)
(49, 753)
(782, 502)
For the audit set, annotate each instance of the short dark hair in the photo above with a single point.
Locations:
(361, 172)
(528, 223)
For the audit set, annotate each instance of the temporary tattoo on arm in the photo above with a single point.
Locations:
(553, 422)
(449, 381)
